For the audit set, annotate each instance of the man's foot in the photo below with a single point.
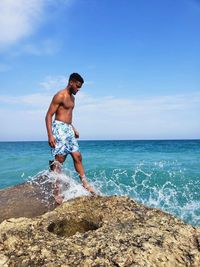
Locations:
(87, 186)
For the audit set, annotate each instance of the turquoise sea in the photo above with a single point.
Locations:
(161, 174)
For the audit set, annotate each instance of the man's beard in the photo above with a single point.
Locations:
(73, 91)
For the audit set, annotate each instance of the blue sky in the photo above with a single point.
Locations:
(140, 60)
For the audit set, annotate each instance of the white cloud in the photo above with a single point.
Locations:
(52, 83)
(44, 47)
(175, 116)
(38, 100)
(24, 125)
(19, 19)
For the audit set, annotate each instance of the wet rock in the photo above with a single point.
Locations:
(99, 231)
(27, 200)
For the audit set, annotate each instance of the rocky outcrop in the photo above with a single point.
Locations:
(27, 200)
(99, 231)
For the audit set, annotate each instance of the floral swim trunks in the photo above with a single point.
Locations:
(66, 142)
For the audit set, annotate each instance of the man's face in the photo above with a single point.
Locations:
(75, 86)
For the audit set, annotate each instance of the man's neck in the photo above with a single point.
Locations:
(68, 90)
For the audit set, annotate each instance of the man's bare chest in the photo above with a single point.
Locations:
(68, 103)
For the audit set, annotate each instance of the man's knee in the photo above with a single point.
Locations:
(56, 164)
(77, 157)
(60, 158)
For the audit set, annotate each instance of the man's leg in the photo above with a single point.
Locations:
(56, 164)
(77, 158)
(56, 167)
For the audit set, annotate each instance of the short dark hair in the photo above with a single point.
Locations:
(76, 77)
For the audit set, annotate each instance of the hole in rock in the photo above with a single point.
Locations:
(71, 227)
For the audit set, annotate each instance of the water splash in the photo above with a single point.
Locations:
(69, 186)
(160, 185)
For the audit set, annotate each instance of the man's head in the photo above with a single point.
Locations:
(76, 77)
(75, 82)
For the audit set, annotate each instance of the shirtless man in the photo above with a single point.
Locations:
(62, 134)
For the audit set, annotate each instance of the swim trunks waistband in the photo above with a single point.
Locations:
(61, 122)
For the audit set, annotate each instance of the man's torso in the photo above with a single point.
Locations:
(65, 108)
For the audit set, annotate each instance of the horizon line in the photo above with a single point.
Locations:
(153, 139)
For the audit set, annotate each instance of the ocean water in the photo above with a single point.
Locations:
(161, 174)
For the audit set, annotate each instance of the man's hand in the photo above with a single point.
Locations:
(76, 133)
(52, 141)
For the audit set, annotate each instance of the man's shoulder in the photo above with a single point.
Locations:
(58, 97)
(61, 94)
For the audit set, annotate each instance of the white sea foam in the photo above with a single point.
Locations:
(154, 189)
(168, 194)
(69, 185)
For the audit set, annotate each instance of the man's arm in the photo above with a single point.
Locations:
(56, 101)
(75, 132)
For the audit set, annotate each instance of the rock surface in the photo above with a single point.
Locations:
(99, 231)
(27, 200)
